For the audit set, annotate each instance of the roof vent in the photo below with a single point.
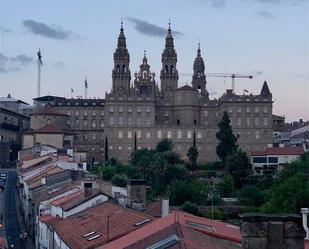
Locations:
(166, 243)
(94, 237)
(137, 224)
(88, 234)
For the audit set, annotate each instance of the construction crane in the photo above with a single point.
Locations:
(224, 75)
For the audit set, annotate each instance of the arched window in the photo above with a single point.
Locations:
(124, 69)
(118, 68)
(172, 69)
(166, 68)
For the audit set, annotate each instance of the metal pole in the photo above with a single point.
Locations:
(39, 78)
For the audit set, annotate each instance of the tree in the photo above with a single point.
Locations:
(227, 140)
(135, 143)
(191, 208)
(193, 155)
(143, 159)
(227, 186)
(164, 145)
(106, 149)
(194, 139)
(238, 165)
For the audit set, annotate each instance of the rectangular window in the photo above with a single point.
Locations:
(239, 110)
(147, 134)
(94, 113)
(189, 134)
(148, 121)
(260, 159)
(257, 135)
(76, 113)
(120, 134)
(111, 120)
(248, 121)
(130, 121)
(102, 123)
(169, 134)
(179, 134)
(199, 135)
(111, 109)
(257, 121)
(120, 109)
(130, 109)
(159, 134)
(265, 121)
(94, 124)
(231, 110)
(85, 123)
(139, 134)
(248, 109)
(265, 109)
(273, 159)
(239, 121)
(139, 109)
(256, 109)
(77, 122)
(129, 134)
(139, 121)
(120, 148)
(102, 113)
(205, 113)
(148, 109)
(93, 137)
(120, 120)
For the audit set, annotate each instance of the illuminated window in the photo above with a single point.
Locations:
(199, 135)
(120, 134)
(179, 135)
(130, 134)
(169, 134)
(139, 134)
(159, 134)
(148, 134)
(189, 134)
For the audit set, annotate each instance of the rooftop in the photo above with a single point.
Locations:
(88, 229)
(280, 151)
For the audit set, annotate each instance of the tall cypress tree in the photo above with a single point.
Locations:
(227, 140)
(106, 149)
(194, 139)
(135, 142)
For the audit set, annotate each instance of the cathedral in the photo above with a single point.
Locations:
(141, 108)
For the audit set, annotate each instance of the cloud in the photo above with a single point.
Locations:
(265, 14)
(150, 29)
(58, 63)
(22, 58)
(52, 32)
(12, 64)
(4, 30)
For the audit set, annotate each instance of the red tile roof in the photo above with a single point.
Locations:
(73, 200)
(121, 221)
(280, 151)
(195, 232)
(49, 219)
(50, 170)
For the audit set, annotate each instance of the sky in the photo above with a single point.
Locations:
(268, 39)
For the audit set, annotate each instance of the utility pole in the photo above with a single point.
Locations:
(40, 64)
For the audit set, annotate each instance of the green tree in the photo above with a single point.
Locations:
(191, 208)
(119, 180)
(251, 195)
(106, 149)
(226, 138)
(238, 165)
(193, 155)
(135, 143)
(143, 159)
(227, 186)
(164, 145)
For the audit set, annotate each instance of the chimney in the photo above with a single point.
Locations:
(85, 166)
(165, 207)
(87, 189)
(305, 212)
(136, 189)
(269, 231)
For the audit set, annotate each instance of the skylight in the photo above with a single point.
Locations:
(166, 243)
(141, 222)
(94, 237)
(88, 234)
(202, 226)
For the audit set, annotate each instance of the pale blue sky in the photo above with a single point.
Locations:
(266, 38)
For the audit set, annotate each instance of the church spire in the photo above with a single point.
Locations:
(169, 73)
(121, 73)
(199, 77)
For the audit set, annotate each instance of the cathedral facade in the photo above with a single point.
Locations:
(151, 113)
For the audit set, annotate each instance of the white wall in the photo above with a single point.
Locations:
(59, 242)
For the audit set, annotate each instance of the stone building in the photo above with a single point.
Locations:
(171, 111)
(11, 126)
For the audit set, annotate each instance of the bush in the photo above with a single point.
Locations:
(191, 208)
(119, 180)
(219, 214)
